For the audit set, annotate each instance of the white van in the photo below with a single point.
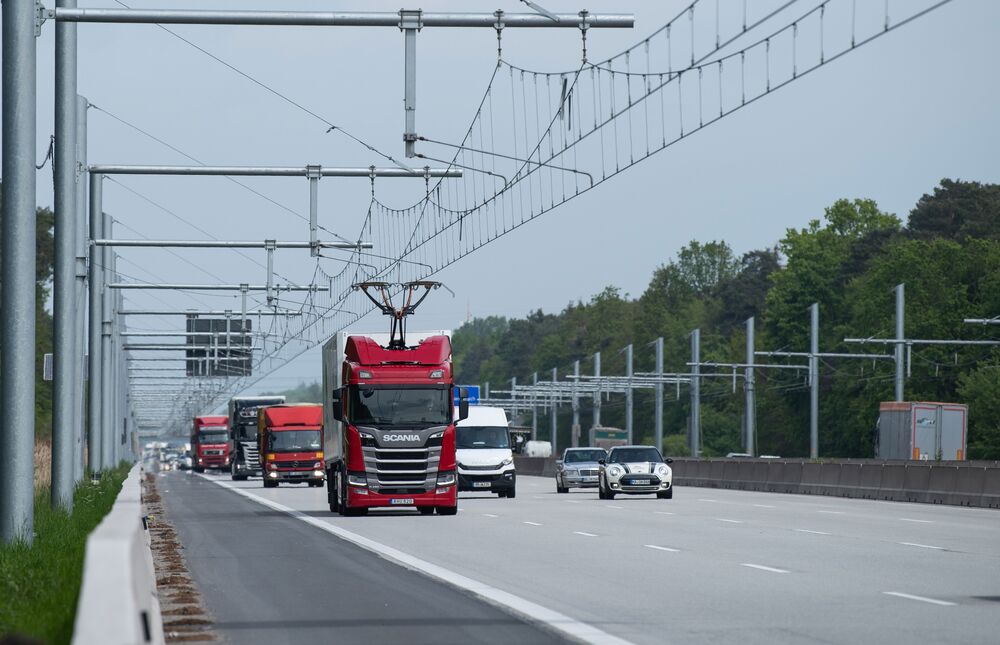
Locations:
(485, 461)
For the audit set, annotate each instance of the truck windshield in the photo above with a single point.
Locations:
(579, 456)
(295, 441)
(215, 436)
(481, 437)
(385, 406)
(246, 432)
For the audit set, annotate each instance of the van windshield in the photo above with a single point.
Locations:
(481, 437)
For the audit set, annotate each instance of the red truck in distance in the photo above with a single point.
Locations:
(210, 443)
(290, 443)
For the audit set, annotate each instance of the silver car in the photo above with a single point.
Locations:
(635, 470)
(578, 468)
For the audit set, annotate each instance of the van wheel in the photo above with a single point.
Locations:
(510, 493)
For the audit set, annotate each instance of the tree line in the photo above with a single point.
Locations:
(947, 254)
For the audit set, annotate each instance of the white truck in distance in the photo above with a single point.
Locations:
(485, 460)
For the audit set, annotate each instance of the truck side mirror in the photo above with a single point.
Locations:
(337, 405)
(463, 403)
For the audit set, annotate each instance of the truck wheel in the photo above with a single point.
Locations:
(270, 484)
(426, 510)
(199, 469)
(561, 489)
(448, 510)
(355, 512)
(331, 495)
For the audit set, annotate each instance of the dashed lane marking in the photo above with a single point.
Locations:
(617, 507)
(907, 519)
(923, 546)
(761, 567)
(490, 515)
(661, 548)
(763, 506)
(832, 512)
(532, 523)
(664, 513)
(557, 621)
(722, 519)
(931, 601)
(585, 534)
(812, 532)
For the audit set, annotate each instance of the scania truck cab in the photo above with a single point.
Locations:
(483, 452)
(390, 438)
(210, 443)
(243, 433)
(290, 440)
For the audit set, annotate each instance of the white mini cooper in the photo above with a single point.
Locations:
(635, 470)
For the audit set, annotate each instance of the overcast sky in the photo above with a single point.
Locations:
(886, 122)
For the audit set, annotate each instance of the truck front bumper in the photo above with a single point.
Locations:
(295, 475)
(486, 482)
(362, 497)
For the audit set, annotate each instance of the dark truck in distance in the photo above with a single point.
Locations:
(290, 441)
(244, 457)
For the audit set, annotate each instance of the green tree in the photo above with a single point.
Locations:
(958, 210)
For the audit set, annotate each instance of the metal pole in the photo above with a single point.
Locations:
(575, 430)
(900, 336)
(409, 22)
(749, 390)
(694, 436)
(272, 171)
(212, 287)
(107, 327)
(338, 19)
(314, 173)
(17, 303)
(658, 408)
(629, 400)
(534, 409)
(269, 245)
(554, 414)
(64, 362)
(814, 381)
(79, 405)
(597, 393)
(95, 451)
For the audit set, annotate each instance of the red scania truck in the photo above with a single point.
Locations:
(290, 444)
(390, 433)
(210, 443)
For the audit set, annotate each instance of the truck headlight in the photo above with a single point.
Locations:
(446, 479)
(616, 471)
(318, 465)
(357, 479)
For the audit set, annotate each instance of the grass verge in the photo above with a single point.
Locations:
(39, 584)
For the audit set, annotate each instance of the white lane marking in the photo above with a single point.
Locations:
(812, 532)
(923, 546)
(663, 513)
(907, 519)
(933, 601)
(763, 568)
(618, 507)
(539, 497)
(722, 519)
(532, 523)
(490, 515)
(832, 512)
(573, 501)
(530, 610)
(585, 534)
(661, 548)
(763, 506)
(707, 500)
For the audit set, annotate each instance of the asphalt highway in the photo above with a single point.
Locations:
(709, 566)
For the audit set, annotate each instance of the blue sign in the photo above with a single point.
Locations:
(472, 394)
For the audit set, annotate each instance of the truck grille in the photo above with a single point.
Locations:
(295, 464)
(396, 469)
(250, 456)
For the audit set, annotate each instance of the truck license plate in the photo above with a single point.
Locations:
(480, 484)
(407, 500)
(640, 482)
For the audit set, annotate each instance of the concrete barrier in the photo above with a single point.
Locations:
(968, 487)
(991, 488)
(871, 481)
(916, 482)
(118, 602)
(810, 481)
(850, 480)
(829, 478)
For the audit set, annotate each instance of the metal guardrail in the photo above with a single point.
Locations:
(958, 483)
(118, 602)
